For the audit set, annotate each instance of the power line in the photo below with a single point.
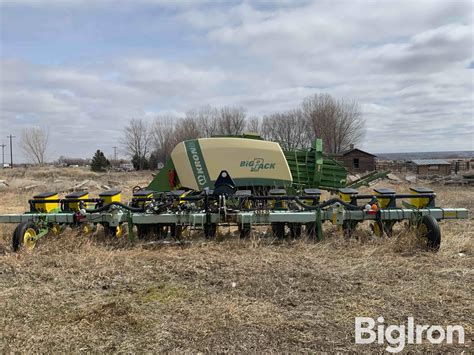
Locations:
(3, 154)
(11, 150)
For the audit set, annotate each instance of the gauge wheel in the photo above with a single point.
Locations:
(24, 236)
(295, 230)
(210, 230)
(176, 231)
(245, 231)
(143, 231)
(278, 230)
(429, 231)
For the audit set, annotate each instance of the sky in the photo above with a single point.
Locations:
(81, 69)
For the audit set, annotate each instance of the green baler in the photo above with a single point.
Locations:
(252, 162)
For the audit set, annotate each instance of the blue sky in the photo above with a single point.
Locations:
(83, 68)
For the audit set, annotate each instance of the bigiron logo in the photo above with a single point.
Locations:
(257, 164)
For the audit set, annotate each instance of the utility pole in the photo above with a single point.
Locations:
(115, 155)
(3, 154)
(11, 150)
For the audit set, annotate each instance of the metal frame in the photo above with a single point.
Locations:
(337, 215)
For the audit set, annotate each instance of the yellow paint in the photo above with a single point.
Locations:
(46, 207)
(86, 229)
(75, 206)
(28, 238)
(376, 229)
(56, 229)
(108, 199)
(143, 197)
(383, 202)
(119, 231)
(420, 202)
(345, 197)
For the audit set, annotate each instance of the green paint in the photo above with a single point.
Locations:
(319, 226)
(257, 164)
(260, 182)
(160, 182)
(198, 164)
(311, 168)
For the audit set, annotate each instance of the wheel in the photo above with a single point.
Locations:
(244, 232)
(114, 231)
(160, 231)
(210, 230)
(143, 231)
(379, 228)
(176, 231)
(56, 229)
(429, 230)
(295, 230)
(348, 228)
(278, 230)
(24, 235)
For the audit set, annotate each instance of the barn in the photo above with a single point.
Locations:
(431, 166)
(357, 161)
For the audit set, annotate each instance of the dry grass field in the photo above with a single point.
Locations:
(92, 293)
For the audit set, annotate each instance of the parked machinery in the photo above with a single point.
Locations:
(245, 182)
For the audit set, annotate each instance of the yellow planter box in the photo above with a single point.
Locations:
(143, 195)
(110, 196)
(78, 195)
(420, 202)
(384, 196)
(46, 207)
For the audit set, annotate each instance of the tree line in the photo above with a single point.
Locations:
(338, 122)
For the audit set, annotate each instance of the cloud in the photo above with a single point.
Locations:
(407, 64)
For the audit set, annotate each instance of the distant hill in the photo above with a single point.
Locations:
(426, 155)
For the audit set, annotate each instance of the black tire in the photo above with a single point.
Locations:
(278, 230)
(210, 230)
(161, 231)
(176, 231)
(112, 231)
(245, 232)
(388, 228)
(295, 230)
(19, 232)
(143, 231)
(429, 229)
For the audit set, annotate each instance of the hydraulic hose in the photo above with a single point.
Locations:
(327, 203)
(106, 207)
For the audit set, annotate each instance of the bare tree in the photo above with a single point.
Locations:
(231, 121)
(338, 122)
(289, 129)
(185, 129)
(206, 118)
(34, 142)
(163, 137)
(254, 125)
(137, 139)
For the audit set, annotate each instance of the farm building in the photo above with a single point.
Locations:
(356, 160)
(431, 166)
